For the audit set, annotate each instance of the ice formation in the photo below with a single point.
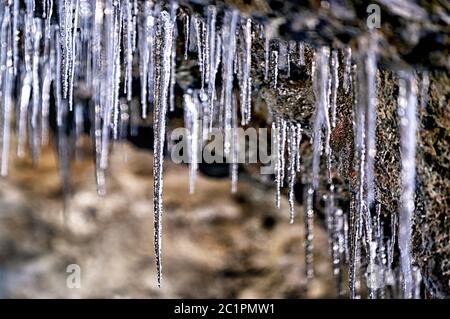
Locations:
(76, 48)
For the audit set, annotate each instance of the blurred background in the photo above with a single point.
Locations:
(216, 244)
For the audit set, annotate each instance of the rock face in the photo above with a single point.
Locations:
(432, 221)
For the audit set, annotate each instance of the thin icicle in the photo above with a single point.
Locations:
(407, 109)
(72, 53)
(347, 69)
(334, 85)
(35, 136)
(293, 155)
(79, 128)
(46, 87)
(15, 35)
(282, 56)
(163, 65)
(146, 32)
(280, 131)
(321, 119)
(298, 140)
(187, 29)
(365, 142)
(173, 55)
(301, 53)
(270, 31)
(6, 80)
(48, 17)
(246, 79)
(266, 57)
(191, 121)
(275, 68)
(211, 13)
(292, 46)
(116, 74)
(234, 166)
(228, 52)
(66, 29)
(108, 105)
(354, 248)
(23, 114)
(424, 87)
(97, 80)
(309, 231)
(128, 45)
(361, 210)
(370, 134)
(199, 38)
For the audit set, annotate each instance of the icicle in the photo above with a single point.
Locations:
(293, 156)
(417, 278)
(35, 141)
(354, 248)
(365, 146)
(97, 80)
(48, 17)
(213, 80)
(282, 55)
(335, 238)
(128, 45)
(266, 57)
(338, 249)
(269, 32)
(72, 52)
(424, 87)
(6, 80)
(212, 57)
(146, 52)
(23, 112)
(246, 86)
(321, 119)
(371, 100)
(48, 75)
(187, 28)
(191, 120)
(309, 232)
(280, 131)
(275, 68)
(301, 53)
(228, 51)
(79, 128)
(116, 73)
(292, 45)
(298, 140)
(199, 37)
(334, 85)
(361, 209)
(347, 69)
(407, 108)
(15, 35)
(173, 55)
(234, 166)
(66, 29)
(109, 101)
(163, 65)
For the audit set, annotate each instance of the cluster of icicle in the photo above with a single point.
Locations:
(89, 48)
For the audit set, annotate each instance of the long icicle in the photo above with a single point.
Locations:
(407, 108)
(163, 65)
